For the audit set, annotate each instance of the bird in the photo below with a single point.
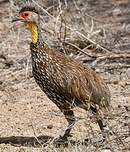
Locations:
(65, 81)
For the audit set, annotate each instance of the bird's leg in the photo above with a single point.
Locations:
(69, 115)
(102, 125)
(99, 120)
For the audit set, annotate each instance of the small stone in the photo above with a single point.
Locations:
(1, 82)
(125, 124)
(9, 109)
(127, 108)
(115, 82)
(119, 106)
(50, 126)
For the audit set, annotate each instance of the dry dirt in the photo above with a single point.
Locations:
(26, 112)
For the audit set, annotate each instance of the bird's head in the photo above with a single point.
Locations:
(29, 15)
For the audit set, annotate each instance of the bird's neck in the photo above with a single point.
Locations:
(35, 32)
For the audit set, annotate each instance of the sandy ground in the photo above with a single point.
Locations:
(27, 112)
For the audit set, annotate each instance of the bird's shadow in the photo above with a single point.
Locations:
(34, 141)
(46, 140)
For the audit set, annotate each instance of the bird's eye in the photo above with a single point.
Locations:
(26, 14)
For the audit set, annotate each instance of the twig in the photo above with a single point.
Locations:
(81, 50)
(74, 30)
(36, 135)
(109, 57)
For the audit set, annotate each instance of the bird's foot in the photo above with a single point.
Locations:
(61, 140)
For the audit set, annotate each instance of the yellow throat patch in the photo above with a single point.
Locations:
(32, 27)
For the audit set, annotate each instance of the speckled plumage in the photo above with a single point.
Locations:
(67, 82)
(66, 78)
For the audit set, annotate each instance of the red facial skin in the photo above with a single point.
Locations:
(24, 15)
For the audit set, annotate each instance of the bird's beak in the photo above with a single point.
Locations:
(16, 19)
